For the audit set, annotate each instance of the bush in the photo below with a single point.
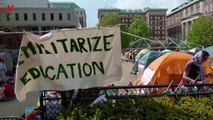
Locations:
(164, 108)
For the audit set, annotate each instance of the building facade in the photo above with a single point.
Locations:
(180, 20)
(156, 18)
(80, 12)
(37, 19)
(126, 16)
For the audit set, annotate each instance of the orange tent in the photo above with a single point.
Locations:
(167, 68)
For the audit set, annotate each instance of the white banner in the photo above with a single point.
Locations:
(147, 76)
(68, 59)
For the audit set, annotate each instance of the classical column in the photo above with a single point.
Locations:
(182, 31)
(186, 30)
(39, 30)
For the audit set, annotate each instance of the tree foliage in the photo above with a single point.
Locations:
(113, 19)
(110, 19)
(202, 31)
(140, 27)
(125, 39)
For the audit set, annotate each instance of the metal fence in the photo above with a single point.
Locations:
(50, 106)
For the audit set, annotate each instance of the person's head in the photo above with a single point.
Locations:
(205, 56)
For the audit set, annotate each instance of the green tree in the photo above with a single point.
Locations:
(140, 27)
(110, 19)
(5, 25)
(114, 19)
(125, 39)
(202, 32)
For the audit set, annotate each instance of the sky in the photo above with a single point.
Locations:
(91, 6)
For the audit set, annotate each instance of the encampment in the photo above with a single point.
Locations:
(148, 58)
(138, 56)
(167, 68)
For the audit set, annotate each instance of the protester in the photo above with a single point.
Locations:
(3, 70)
(194, 70)
(7, 91)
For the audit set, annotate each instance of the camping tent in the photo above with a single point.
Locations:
(8, 60)
(148, 58)
(166, 51)
(141, 53)
(210, 51)
(167, 68)
(138, 56)
(195, 50)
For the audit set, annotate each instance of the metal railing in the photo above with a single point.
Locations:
(50, 107)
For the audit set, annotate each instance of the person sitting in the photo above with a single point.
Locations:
(7, 91)
(194, 70)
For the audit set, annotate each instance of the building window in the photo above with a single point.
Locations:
(18, 42)
(43, 16)
(68, 17)
(123, 20)
(159, 32)
(34, 17)
(162, 32)
(8, 16)
(17, 16)
(1, 42)
(77, 12)
(9, 44)
(25, 17)
(81, 12)
(52, 16)
(151, 18)
(60, 16)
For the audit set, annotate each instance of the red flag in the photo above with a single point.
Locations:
(153, 90)
(129, 84)
(179, 85)
(169, 87)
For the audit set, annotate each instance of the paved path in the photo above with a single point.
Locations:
(15, 108)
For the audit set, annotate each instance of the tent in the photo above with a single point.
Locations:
(210, 50)
(138, 56)
(141, 53)
(148, 58)
(195, 50)
(187, 52)
(8, 60)
(166, 51)
(167, 68)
